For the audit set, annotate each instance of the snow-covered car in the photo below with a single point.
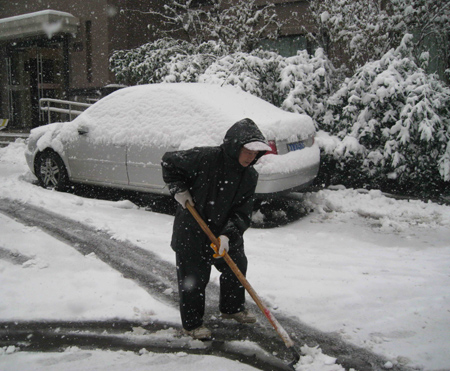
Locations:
(119, 141)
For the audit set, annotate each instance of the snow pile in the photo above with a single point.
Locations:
(13, 153)
(290, 162)
(313, 359)
(386, 213)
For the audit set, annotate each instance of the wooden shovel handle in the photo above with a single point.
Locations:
(202, 224)
(273, 321)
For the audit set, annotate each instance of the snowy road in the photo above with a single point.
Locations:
(362, 269)
(157, 278)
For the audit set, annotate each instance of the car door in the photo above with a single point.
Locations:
(94, 162)
(144, 168)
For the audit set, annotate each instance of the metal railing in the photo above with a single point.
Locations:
(66, 107)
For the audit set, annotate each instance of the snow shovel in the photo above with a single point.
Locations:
(273, 321)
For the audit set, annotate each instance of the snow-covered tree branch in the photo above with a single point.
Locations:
(364, 30)
(239, 25)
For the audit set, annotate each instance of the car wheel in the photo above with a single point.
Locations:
(277, 211)
(51, 171)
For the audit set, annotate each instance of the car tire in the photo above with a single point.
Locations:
(51, 171)
(272, 212)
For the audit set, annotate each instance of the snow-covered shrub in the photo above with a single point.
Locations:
(187, 67)
(164, 60)
(256, 72)
(299, 84)
(359, 31)
(305, 83)
(401, 117)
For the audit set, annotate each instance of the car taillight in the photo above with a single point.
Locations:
(273, 147)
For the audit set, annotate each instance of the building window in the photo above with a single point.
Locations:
(89, 51)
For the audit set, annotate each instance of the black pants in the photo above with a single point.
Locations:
(194, 270)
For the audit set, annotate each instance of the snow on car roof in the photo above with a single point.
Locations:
(183, 115)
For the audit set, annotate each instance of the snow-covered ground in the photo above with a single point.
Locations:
(373, 269)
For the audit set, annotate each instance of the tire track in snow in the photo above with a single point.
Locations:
(158, 278)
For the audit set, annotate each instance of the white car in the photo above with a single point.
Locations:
(119, 141)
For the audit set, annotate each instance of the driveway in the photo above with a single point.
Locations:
(157, 277)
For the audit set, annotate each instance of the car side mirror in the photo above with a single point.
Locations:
(83, 130)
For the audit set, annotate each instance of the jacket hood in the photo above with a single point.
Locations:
(242, 132)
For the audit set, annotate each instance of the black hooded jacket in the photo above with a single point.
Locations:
(222, 189)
